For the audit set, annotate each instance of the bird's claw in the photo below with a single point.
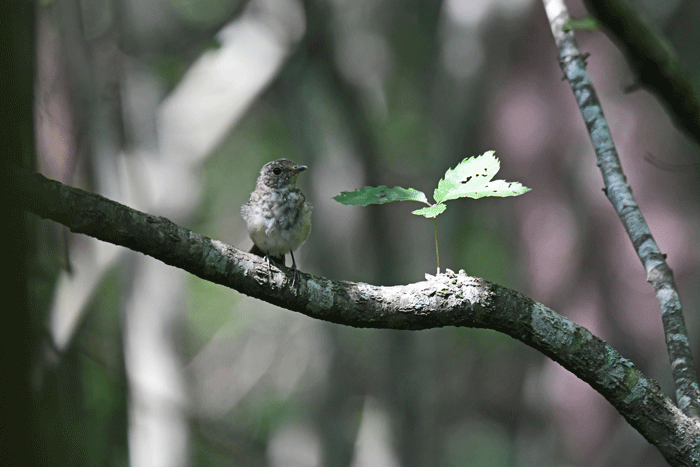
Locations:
(295, 271)
(268, 261)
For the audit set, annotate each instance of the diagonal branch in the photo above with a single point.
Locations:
(619, 193)
(444, 300)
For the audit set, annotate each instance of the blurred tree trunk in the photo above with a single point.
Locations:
(17, 140)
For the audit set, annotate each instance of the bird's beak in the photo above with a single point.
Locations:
(301, 168)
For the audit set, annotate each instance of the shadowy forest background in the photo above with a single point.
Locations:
(172, 107)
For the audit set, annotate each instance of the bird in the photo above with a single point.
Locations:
(277, 216)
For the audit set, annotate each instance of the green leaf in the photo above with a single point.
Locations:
(431, 211)
(380, 195)
(472, 179)
(584, 23)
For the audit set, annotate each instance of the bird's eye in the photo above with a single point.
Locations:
(276, 171)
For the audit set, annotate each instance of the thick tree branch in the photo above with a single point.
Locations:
(619, 193)
(653, 59)
(445, 300)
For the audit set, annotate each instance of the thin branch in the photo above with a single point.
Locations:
(444, 300)
(653, 59)
(619, 193)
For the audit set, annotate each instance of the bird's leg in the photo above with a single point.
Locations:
(295, 272)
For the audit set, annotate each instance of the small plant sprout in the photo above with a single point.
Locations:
(472, 178)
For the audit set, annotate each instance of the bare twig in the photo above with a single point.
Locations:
(619, 193)
(444, 300)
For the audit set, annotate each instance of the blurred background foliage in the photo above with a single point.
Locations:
(172, 107)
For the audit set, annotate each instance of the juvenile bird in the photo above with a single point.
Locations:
(277, 214)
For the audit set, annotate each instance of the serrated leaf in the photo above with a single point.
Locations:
(380, 195)
(430, 211)
(472, 179)
(470, 174)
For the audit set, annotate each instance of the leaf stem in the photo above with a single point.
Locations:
(437, 251)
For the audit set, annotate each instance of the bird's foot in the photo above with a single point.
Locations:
(268, 261)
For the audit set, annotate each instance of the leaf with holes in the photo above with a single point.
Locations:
(472, 178)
